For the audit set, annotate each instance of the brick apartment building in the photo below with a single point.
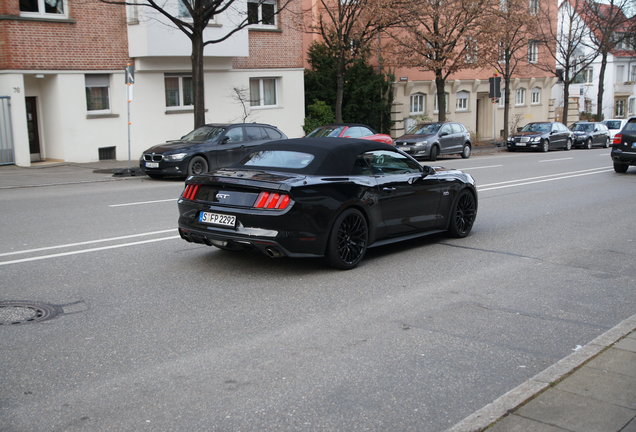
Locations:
(62, 83)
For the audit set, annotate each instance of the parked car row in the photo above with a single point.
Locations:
(545, 136)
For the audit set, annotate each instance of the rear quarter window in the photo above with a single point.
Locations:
(278, 159)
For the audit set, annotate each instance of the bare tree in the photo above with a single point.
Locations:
(572, 53)
(506, 48)
(347, 28)
(440, 36)
(609, 27)
(193, 23)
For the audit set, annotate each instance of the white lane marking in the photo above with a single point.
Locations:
(481, 167)
(83, 251)
(541, 177)
(482, 189)
(142, 202)
(85, 242)
(555, 160)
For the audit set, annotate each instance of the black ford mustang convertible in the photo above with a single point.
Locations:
(313, 197)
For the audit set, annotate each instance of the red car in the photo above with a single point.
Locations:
(350, 130)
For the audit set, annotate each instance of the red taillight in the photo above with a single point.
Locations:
(617, 139)
(190, 191)
(271, 200)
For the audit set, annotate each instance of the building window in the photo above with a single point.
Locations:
(418, 102)
(182, 10)
(261, 13)
(520, 96)
(533, 52)
(436, 105)
(470, 50)
(535, 96)
(179, 92)
(631, 106)
(533, 7)
(44, 8)
(461, 104)
(620, 73)
(263, 92)
(97, 93)
(619, 108)
(632, 74)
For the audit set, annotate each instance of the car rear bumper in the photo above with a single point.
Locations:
(624, 157)
(275, 235)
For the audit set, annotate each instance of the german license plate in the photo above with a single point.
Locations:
(152, 164)
(519, 144)
(217, 219)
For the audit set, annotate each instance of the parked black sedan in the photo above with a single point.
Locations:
(541, 136)
(624, 147)
(432, 139)
(590, 134)
(313, 197)
(206, 148)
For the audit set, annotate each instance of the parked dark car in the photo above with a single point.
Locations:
(350, 130)
(430, 140)
(541, 136)
(313, 197)
(589, 134)
(624, 147)
(206, 148)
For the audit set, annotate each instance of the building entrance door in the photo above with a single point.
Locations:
(32, 128)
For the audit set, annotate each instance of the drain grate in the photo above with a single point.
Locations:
(19, 312)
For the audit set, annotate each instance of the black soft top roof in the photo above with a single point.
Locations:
(332, 156)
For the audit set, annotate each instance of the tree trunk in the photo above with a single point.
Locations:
(601, 87)
(340, 79)
(440, 83)
(198, 88)
(566, 101)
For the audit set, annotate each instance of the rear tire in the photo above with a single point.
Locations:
(606, 143)
(434, 153)
(463, 215)
(588, 144)
(568, 145)
(198, 165)
(348, 240)
(466, 151)
(620, 167)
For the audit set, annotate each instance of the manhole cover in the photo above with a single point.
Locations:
(19, 312)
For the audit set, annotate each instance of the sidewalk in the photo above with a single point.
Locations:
(591, 390)
(61, 173)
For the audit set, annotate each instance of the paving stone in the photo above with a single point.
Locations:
(627, 344)
(616, 360)
(602, 385)
(576, 413)
(514, 423)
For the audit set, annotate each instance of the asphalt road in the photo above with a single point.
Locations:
(158, 334)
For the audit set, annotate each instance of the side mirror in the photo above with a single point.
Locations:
(518, 129)
(443, 134)
(427, 170)
(225, 140)
(553, 132)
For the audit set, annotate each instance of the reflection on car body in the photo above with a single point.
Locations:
(314, 197)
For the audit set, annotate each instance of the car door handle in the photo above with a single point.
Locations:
(388, 189)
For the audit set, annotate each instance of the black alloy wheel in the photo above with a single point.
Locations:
(545, 145)
(588, 144)
(348, 240)
(434, 153)
(198, 165)
(568, 145)
(620, 167)
(463, 215)
(466, 151)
